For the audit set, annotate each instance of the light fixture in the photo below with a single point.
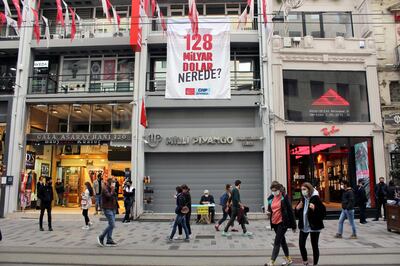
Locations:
(120, 109)
(112, 104)
(98, 108)
(53, 110)
(77, 108)
(13, 69)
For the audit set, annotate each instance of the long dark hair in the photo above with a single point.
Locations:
(89, 187)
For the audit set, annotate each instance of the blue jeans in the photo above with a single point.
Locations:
(347, 214)
(98, 202)
(110, 215)
(180, 220)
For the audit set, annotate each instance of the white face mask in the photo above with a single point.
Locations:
(275, 193)
(342, 186)
(304, 193)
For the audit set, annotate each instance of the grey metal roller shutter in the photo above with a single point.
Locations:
(202, 171)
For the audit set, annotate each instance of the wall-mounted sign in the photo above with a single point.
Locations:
(154, 140)
(30, 160)
(77, 138)
(330, 104)
(392, 119)
(330, 131)
(41, 64)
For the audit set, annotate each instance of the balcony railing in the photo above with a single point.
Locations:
(7, 84)
(249, 26)
(88, 83)
(240, 81)
(89, 28)
(8, 33)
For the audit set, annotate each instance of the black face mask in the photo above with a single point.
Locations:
(381, 182)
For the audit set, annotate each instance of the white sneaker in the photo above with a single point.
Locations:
(86, 227)
(287, 261)
(178, 237)
(90, 224)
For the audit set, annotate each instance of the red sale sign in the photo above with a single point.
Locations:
(198, 65)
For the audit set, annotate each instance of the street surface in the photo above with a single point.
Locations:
(143, 243)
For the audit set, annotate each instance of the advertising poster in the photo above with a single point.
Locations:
(362, 168)
(198, 65)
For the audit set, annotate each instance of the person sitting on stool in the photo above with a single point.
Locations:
(207, 199)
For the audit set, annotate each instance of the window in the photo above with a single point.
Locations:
(101, 118)
(394, 87)
(79, 118)
(316, 24)
(122, 118)
(315, 96)
(215, 9)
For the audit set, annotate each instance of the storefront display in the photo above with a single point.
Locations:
(325, 162)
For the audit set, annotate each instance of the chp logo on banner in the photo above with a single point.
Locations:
(198, 65)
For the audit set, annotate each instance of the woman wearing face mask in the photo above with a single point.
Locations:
(282, 217)
(311, 212)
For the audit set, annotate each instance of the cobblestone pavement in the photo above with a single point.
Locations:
(19, 231)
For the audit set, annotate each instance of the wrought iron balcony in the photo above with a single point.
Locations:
(240, 81)
(87, 83)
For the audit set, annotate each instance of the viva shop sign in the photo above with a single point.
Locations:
(198, 65)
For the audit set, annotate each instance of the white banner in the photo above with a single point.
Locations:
(198, 66)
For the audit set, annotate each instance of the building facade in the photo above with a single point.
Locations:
(304, 107)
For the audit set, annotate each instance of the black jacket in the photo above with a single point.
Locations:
(361, 196)
(315, 217)
(348, 200)
(288, 218)
(180, 203)
(391, 193)
(210, 199)
(381, 191)
(188, 201)
(45, 193)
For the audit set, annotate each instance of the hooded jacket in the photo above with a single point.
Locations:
(315, 217)
(288, 218)
(348, 200)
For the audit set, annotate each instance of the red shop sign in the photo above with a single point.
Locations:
(329, 132)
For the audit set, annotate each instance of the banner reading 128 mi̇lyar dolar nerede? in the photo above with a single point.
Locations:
(198, 65)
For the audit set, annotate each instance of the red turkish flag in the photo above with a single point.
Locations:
(73, 24)
(60, 16)
(194, 16)
(3, 18)
(36, 28)
(143, 116)
(153, 7)
(18, 8)
(264, 11)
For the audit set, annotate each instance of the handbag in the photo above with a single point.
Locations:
(185, 210)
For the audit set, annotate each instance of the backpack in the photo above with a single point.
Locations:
(223, 199)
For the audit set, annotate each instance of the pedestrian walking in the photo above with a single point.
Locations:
(86, 203)
(45, 194)
(282, 218)
(381, 192)
(181, 210)
(361, 200)
(225, 201)
(97, 190)
(109, 206)
(116, 193)
(129, 195)
(59, 186)
(236, 205)
(188, 203)
(348, 202)
(311, 212)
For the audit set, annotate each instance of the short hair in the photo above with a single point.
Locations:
(238, 182)
(309, 187)
(381, 178)
(179, 189)
(276, 185)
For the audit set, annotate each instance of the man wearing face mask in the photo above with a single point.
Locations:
(348, 202)
(381, 192)
(45, 194)
(207, 199)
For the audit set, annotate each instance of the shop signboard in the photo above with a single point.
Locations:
(198, 65)
(77, 138)
(30, 160)
(392, 119)
(362, 167)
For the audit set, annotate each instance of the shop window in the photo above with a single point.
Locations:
(325, 99)
(79, 118)
(218, 9)
(394, 87)
(326, 162)
(101, 118)
(122, 118)
(37, 118)
(58, 118)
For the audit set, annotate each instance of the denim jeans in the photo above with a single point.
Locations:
(98, 202)
(347, 214)
(180, 220)
(110, 215)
